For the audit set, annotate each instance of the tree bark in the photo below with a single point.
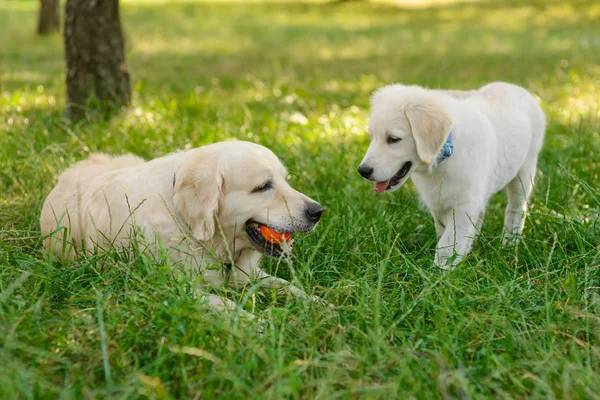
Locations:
(97, 75)
(49, 21)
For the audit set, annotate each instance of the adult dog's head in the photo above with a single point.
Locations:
(234, 189)
(408, 127)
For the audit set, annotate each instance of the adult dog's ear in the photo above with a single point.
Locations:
(198, 188)
(430, 124)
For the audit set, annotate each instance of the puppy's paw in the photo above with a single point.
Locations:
(445, 263)
(444, 266)
(510, 239)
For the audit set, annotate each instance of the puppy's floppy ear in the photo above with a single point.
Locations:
(430, 124)
(198, 186)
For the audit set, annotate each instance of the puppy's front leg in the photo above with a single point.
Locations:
(247, 270)
(462, 225)
(440, 228)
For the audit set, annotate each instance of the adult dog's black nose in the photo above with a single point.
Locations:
(314, 211)
(365, 171)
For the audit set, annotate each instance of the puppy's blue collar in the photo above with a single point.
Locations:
(447, 149)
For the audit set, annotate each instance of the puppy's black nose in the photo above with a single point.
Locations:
(365, 171)
(314, 211)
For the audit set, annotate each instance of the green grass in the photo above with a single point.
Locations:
(510, 322)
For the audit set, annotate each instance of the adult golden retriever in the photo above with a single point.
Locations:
(206, 207)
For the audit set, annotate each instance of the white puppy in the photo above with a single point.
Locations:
(208, 207)
(460, 148)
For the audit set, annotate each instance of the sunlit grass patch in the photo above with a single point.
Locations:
(572, 96)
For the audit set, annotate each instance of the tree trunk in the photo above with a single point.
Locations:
(97, 74)
(49, 21)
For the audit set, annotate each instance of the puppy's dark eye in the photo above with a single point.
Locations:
(392, 139)
(263, 188)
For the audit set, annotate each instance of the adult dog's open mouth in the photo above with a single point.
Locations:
(394, 180)
(269, 241)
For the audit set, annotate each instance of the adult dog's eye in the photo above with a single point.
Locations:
(392, 139)
(263, 188)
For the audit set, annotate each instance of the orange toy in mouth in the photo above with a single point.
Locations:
(272, 236)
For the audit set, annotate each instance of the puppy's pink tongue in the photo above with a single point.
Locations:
(381, 186)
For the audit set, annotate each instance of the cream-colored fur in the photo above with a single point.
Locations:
(497, 133)
(195, 204)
